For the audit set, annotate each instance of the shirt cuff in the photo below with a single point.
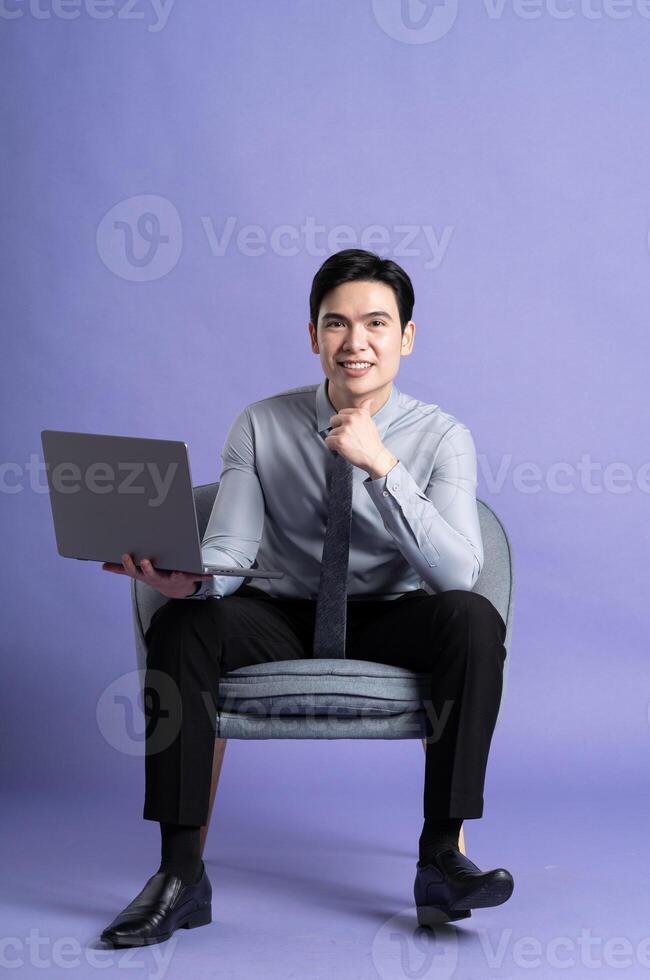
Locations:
(385, 488)
(203, 590)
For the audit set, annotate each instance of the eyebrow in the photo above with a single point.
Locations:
(340, 316)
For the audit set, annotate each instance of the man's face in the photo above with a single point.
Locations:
(359, 321)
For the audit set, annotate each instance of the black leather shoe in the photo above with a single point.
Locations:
(163, 905)
(451, 885)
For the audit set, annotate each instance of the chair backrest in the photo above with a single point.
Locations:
(495, 582)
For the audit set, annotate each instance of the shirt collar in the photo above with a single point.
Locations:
(325, 410)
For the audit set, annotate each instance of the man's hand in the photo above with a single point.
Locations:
(174, 585)
(355, 436)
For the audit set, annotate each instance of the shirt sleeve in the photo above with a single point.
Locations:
(234, 530)
(437, 531)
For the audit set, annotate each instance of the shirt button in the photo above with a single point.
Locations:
(395, 486)
(385, 493)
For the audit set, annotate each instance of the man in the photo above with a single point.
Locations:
(414, 522)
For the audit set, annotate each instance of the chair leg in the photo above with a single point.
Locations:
(217, 759)
(461, 836)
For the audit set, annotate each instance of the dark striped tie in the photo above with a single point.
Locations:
(331, 605)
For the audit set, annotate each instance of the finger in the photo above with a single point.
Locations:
(130, 567)
(150, 573)
(155, 577)
(116, 569)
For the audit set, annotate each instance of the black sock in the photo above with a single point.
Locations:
(437, 835)
(180, 851)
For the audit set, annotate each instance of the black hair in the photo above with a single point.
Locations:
(356, 263)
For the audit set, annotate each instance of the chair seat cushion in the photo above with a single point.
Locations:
(323, 686)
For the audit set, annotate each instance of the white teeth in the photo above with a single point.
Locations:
(360, 365)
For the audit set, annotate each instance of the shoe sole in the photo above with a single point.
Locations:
(431, 915)
(494, 892)
(491, 893)
(200, 917)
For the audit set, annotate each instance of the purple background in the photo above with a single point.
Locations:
(522, 143)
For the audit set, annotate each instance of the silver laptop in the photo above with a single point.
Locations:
(113, 495)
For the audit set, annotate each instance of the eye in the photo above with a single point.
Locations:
(381, 322)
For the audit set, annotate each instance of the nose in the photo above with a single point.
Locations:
(356, 340)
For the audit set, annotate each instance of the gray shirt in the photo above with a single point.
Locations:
(415, 528)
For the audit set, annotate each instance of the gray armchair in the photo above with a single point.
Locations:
(324, 698)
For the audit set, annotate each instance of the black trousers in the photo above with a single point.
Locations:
(457, 636)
